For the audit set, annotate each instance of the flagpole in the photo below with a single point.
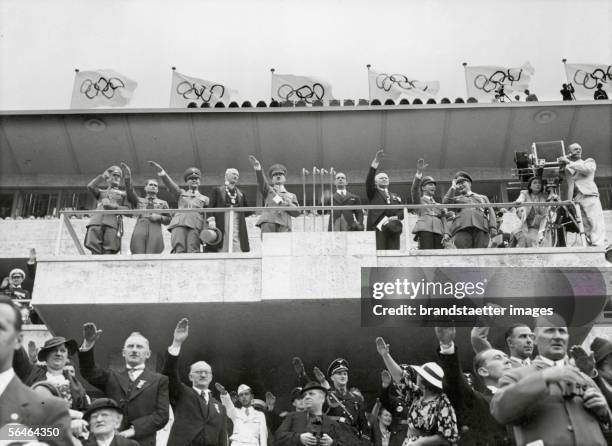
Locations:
(271, 92)
(369, 87)
(467, 89)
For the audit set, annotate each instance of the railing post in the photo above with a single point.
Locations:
(58, 240)
(230, 232)
(406, 232)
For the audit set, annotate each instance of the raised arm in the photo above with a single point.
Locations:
(262, 181)
(370, 184)
(93, 185)
(170, 184)
(181, 332)
(393, 367)
(450, 194)
(227, 402)
(129, 185)
(479, 337)
(95, 375)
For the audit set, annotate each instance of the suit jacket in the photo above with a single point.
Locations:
(192, 417)
(350, 216)
(471, 406)
(470, 217)
(540, 412)
(282, 218)
(296, 423)
(376, 196)
(581, 178)
(117, 441)
(144, 402)
(20, 404)
(430, 219)
(219, 199)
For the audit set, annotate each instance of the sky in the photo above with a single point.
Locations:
(236, 42)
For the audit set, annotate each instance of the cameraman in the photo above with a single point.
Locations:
(581, 188)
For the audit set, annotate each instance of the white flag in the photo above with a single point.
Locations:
(385, 86)
(187, 89)
(585, 77)
(287, 87)
(101, 88)
(485, 82)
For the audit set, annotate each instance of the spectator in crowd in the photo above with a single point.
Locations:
(582, 189)
(55, 354)
(12, 285)
(143, 394)
(472, 226)
(230, 196)
(18, 403)
(250, 427)
(309, 427)
(185, 228)
(519, 340)
(385, 222)
(104, 231)
(105, 419)
(533, 217)
(199, 419)
(551, 401)
(397, 396)
(471, 405)
(147, 236)
(430, 228)
(275, 195)
(597, 365)
(600, 93)
(349, 220)
(530, 96)
(383, 433)
(567, 92)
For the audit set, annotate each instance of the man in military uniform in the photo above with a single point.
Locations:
(345, 407)
(471, 227)
(104, 231)
(349, 220)
(185, 228)
(147, 237)
(275, 195)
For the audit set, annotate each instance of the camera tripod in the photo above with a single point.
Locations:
(560, 220)
(501, 96)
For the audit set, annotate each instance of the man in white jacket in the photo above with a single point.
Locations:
(249, 423)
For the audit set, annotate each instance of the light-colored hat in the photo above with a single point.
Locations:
(243, 388)
(431, 372)
(17, 271)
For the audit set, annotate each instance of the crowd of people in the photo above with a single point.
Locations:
(561, 396)
(436, 227)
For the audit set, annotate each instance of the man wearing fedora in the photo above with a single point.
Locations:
(199, 419)
(20, 405)
(104, 418)
(250, 427)
(141, 393)
(55, 354)
(104, 231)
(230, 196)
(385, 222)
(471, 227)
(185, 227)
(310, 427)
(275, 195)
(430, 228)
(349, 220)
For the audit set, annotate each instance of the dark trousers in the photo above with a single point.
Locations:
(102, 239)
(471, 238)
(147, 237)
(386, 240)
(184, 239)
(429, 240)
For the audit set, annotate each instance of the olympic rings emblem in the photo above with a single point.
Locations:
(103, 86)
(387, 81)
(590, 80)
(306, 93)
(497, 79)
(193, 90)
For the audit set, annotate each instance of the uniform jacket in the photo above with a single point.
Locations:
(376, 196)
(296, 423)
(470, 217)
(219, 199)
(117, 441)
(430, 220)
(144, 402)
(581, 178)
(115, 196)
(540, 412)
(282, 218)
(350, 216)
(186, 200)
(191, 415)
(20, 404)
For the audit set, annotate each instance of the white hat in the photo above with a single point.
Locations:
(243, 388)
(17, 271)
(431, 372)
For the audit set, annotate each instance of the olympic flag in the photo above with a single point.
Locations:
(385, 86)
(101, 88)
(585, 77)
(287, 87)
(187, 89)
(485, 82)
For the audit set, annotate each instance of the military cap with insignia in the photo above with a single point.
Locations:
(192, 172)
(277, 168)
(337, 365)
(427, 180)
(463, 174)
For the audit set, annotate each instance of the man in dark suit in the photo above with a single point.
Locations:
(229, 196)
(310, 427)
(104, 417)
(386, 222)
(19, 404)
(141, 393)
(351, 219)
(199, 419)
